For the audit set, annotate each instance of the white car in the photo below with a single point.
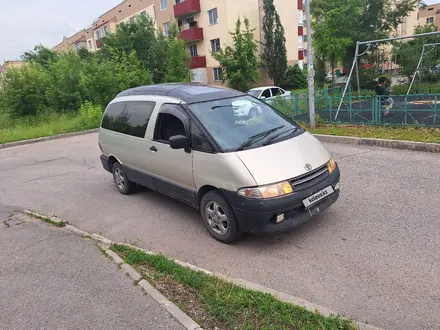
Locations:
(269, 92)
(246, 108)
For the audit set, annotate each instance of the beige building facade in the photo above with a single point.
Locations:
(205, 27)
(429, 15)
(10, 64)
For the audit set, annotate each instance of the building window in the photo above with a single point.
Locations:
(163, 4)
(430, 20)
(213, 16)
(90, 44)
(305, 52)
(144, 13)
(131, 20)
(166, 28)
(429, 9)
(218, 74)
(193, 50)
(98, 35)
(215, 45)
(106, 33)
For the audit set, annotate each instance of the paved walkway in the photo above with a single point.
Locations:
(51, 278)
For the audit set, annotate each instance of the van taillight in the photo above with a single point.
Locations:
(100, 147)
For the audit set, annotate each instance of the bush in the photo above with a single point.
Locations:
(23, 91)
(294, 78)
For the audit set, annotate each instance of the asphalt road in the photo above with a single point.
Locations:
(51, 278)
(373, 256)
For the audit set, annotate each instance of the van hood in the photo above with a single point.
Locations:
(284, 160)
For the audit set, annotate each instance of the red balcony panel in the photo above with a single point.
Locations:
(186, 7)
(193, 34)
(300, 30)
(300, 4)
(300, 55)
(198, 62)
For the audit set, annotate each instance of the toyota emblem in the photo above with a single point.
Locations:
(308, 167)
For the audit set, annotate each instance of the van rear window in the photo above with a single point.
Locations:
(129, 118)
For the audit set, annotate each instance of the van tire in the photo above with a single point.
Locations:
(125, 186)
(216, 213)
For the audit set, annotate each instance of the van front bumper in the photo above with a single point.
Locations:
(259, 216)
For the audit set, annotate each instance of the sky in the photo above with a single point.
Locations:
(26, 23)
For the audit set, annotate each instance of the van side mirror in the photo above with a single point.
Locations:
(179, 142)
(262, 97)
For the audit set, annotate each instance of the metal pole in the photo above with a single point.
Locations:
(310, 70)
(417, 69)
(348, 81)
(357, 78)
(400, 38)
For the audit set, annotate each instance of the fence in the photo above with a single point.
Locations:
(411, 110)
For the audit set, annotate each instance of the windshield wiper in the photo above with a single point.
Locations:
(292, 131)
(258, 137)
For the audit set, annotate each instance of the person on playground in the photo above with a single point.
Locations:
(383, 91)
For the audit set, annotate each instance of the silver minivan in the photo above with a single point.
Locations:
(255, 174)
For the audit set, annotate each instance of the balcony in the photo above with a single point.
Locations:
(198, 62)
(186, 7)
(191, 32)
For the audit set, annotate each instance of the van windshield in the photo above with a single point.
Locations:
(243, 123)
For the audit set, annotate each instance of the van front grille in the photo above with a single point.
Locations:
(308, 180)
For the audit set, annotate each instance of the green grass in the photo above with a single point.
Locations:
(224, 303)
(417, 134)
(31, 128)
(48, 220)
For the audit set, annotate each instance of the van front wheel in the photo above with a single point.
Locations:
(219, 218)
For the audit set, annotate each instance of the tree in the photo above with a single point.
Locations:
(40, 55)
(239, 62)
(295, 78)
(338, 24)
(22, 91)
(140, 37)
(103, 80)
(408, 53)
(274, 53)
(65, 92)
(320, 71)
(176, 57)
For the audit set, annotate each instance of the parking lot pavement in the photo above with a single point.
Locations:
(51, 278)
(373, 256)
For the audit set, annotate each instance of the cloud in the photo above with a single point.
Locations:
(26, 23)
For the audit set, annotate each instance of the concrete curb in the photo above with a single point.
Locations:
(46, 138)
(175, 311)
(394, 144)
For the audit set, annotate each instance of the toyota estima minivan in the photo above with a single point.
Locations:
(256, 174)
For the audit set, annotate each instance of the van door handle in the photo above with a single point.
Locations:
(153, 148)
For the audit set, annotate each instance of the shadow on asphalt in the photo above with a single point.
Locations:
(247, 240)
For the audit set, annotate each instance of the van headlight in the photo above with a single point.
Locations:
(331, 165)
(269, 191)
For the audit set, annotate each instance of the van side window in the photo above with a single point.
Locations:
(167, 126)
(129, 118)
(199, 140)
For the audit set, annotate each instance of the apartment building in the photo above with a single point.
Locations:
(10, 64)
(205, 27)
(430, 15)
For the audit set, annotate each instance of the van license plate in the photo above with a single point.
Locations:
(318, 196)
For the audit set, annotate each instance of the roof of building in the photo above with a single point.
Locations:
(187, 92)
